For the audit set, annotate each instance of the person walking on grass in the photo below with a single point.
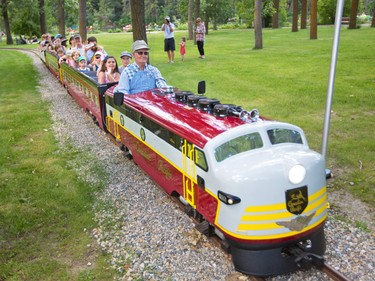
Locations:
(200, 32)
(169, 43)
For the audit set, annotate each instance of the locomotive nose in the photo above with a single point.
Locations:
(271, 188)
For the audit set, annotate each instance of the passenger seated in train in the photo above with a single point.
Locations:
(82, 65)
(126, 59)
(140, 76)
(60, 53)
(96, 61)
(66, 58)
(74, 62)
(90, 48)
(78, 45)
(109, 71)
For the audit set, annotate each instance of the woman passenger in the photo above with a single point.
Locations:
(71, 42)
(109, 71)
(74, 61)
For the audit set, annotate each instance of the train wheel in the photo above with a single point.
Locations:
(127, 153)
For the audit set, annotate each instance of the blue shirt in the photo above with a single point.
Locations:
(84, 70)
(134, 80)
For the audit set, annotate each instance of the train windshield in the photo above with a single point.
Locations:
(281, 135)
(238, 145)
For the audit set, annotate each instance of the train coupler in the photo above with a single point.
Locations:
(304, 258)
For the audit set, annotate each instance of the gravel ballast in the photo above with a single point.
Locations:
(147, 237)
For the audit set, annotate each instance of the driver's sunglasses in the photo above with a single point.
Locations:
(142, 53)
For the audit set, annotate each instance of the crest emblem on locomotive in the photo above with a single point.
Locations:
(296, 200)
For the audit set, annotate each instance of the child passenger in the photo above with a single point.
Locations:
(83, 64)
(109, 71)
(126, 59)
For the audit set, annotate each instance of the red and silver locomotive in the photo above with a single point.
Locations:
(251, 181)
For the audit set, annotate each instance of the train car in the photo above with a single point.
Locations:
(253, 182)
(52, 64)
(83, 87)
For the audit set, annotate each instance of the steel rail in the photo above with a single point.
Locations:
(333, 273)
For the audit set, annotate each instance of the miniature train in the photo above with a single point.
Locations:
(251, 181)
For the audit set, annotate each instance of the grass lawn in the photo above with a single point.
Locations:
(44, 207)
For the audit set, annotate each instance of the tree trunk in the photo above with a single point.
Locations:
(197, 14)
(373, 19)
(61, 17)
(303, 14)
(138, 19)
(82, 20)
(258, 24)
(206, 19)
(4, 11)
(190, 20)
(42, 17)
(197, 9)
(295, 16)
(313, 19)
(275, 16)
(353, 15)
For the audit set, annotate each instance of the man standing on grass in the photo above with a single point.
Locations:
(169, 44)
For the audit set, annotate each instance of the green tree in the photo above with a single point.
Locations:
(353, 14)
(295, 16)
(275, 16)
(61, 17)
(303, 14)
(219, 11)
(82, 20)
(42, 17)
(258, 24)
(24, 17)
(138, 19)
(245, 10)
(314, 19)
(327, 10)
(191, 19)
(4, 12)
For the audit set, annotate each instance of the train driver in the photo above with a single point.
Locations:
(140, 76)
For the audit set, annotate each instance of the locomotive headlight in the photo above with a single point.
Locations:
(227, 198)
(297, 174)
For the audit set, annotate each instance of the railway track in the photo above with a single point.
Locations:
(333, 273)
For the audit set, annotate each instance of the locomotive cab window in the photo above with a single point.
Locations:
(189, 150)
(200, 159)
(279, 135)
(238, 145)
